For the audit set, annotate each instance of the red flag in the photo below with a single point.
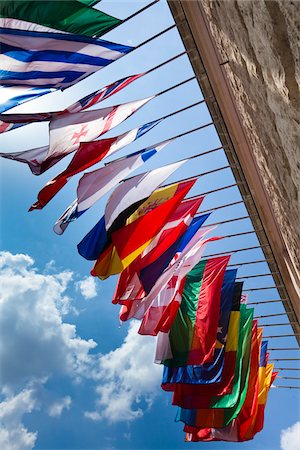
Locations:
(174, 228)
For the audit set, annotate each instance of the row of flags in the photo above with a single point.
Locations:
(151, 234)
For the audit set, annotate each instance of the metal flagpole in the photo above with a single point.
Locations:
(239, 202)
(278, 324)
(286, 387)
(282, 336)
(271, 315)
(139, 11)
(269, 301)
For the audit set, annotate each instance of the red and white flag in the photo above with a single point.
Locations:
(69, 130)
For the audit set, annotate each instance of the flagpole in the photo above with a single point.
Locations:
(166, 62)
(262, 288)
(229, 252)
(287, 368)
(269, 301)
(288, 378)
(281, 336)
(283, 348)
(227, 205)
(153, 37)
(228, 220)
(229, 186)
(139, 11)
(287, 387)
(258, 261)
(246, 277)
(278, 324)
(271, 315)
(284, 359)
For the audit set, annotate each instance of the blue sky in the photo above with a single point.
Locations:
(72, 377)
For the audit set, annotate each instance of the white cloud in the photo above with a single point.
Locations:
(87, 287)
(13, 434)
(57, 407)
(31, 309)
(127, 377)
(35, 343)
(290, 437)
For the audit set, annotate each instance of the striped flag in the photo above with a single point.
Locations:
(58, 60)
(93, 185)
(67, 132)
(129, 241)
(12, 121)
(69, 17)
(129, 201)
(174, 378)
(11, 96)
(189, 248)
(129, 283)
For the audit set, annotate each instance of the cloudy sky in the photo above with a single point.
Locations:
(71, 377)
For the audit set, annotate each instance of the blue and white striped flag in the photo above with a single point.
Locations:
(12, 121)
(58, 60)
(11, 96)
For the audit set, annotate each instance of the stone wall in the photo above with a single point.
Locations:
(260, 41)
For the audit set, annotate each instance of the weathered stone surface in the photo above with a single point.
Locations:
(260, 39)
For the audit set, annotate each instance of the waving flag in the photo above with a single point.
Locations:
(11, 96)
(67, 131)
(136, 189)
(196, 395)
(214, 417)
(206, 373)
(42, 158)
(143, 225)
(89, 154)
(12, 121)
(58, 60)
(189, 251)
(233, 431)
(193, 333)
(141, 186)
(251, 430)
(89, 2)
(70, 17)
(173, 230)
(163, 310)
(93, 185)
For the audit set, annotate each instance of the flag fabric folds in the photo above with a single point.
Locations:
(214, 358)
(209, 372)
(86, 156)
(11, 96)
(12, 121)
(129, 282)
(89, 2)
(93, 185)
(223, 408)
(188, 253)
(129, 241)
(195, 395)
(193, 333)
(70, 17)
(139, 188)
(58, 60)
(42, 158)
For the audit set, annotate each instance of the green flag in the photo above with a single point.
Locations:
(89, 2)
(243, 355)
(224, 408)
(194, 331)
(68, 16)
